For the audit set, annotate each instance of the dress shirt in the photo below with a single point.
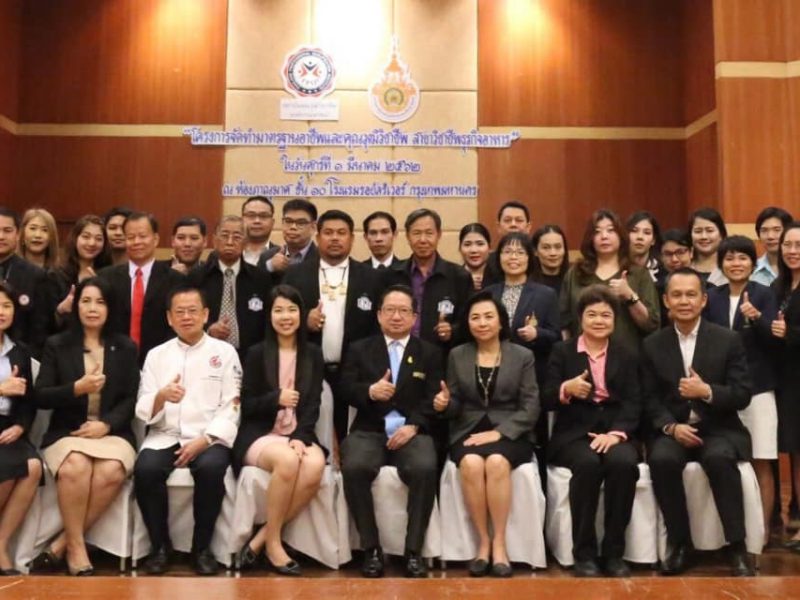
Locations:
(211, 374)
(418, 280)
(252, 257)
(763, 273)
(333, 329)
(687, 344)
(733, 308)
(146, 268)
(5, 372)
(384, 263)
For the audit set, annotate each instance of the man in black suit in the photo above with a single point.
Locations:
(36, 305)
(258, 214)
(237, 308)
(380, 229)
(695, 380)
(141, 286)
(341, 294)
(391, 379)
(188, 242)
(299, 224)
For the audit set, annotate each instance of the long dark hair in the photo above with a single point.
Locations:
(536, 270)
(645, 215)
(8, 289)
(292, 295)
(75, 325)
(783, 284)
(587, 264)
(70, 267)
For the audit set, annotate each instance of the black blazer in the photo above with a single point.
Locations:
(155, 328)
(756, 335)
(720, 359)
(261, 391)
(622, 409)
(35, 315)
(252, 298)
(448, 286)
(277, 277)
(417, 382)
(539, 300)
(62, 365)
(23, 408)
(361, 303)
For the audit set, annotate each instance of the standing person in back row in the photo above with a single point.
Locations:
(299, 226)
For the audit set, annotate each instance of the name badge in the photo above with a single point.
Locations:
(445, 307)
(5, 406)
(364, 303)
(255, 304)
(418, 375)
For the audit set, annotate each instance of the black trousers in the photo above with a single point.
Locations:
(619, 470)
(150, 474)
(363, 454)
(718, 457)
(341, 408)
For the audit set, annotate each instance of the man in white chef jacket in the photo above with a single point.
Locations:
(189, 399)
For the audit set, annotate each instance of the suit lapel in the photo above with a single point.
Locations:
(673, 358)
(271, 366)
(702, 348)
(157, 275)
(466, 369)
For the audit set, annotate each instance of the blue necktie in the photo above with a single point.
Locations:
(393, 419)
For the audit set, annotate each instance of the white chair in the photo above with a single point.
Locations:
(641, 535)
(525, 527)
(704, 521)
(320, 530)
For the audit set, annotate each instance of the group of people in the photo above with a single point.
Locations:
(649, 347)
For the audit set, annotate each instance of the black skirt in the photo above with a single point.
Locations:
(517, 452)
(14, 459)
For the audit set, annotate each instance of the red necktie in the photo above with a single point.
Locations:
(137, 304)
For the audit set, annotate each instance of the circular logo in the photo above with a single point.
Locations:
(308, 72)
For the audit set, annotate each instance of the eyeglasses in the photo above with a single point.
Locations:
(230, 237)
(296, 222)
(680, 252)
(397, 310)
(257, 215)
(513, 252)
(790, 245)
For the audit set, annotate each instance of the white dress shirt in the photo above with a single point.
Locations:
(387, 262)
(212, 376)
(333, 329)
(687, 344)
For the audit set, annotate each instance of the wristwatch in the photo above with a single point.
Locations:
(632, 300)
(209, 439)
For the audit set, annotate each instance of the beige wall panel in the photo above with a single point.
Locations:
(357, 33)
(440, 166)
(259, 110)
(455, 212)
(445, 110)
(439, 42)
(258, 165)
(448, 247)
(260, 34)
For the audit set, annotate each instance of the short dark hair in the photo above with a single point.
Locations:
(772, 212)
(117, 211)
(421, 213)
(677, 236)
(486, 296)
(186, 288)
(645, 215)
(685, 271)
(737, 243)
(709, 214)
(511, 238)
(107, 292)
(300, 204)
(264, 199)
(335, 215)
(514, 204)
(380, 214)
(595, 294)
(189, 221)
(7, 212)
(474, 228)
(138, 216)
(401, 289)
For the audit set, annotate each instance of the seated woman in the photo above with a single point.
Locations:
(593, 383)
(281, 391)
(89, 377)
(492, 401)
(20, 467)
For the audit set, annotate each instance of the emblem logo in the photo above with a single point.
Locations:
(394, 97)
(255, 304)
(24, 300)
(308, 73)
(364, 303)
(215, 362)
(446, 307)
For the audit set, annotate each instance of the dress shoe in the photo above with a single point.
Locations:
(84, 571)
(616, 567)
(792, 545)
(502, 570)
(158, 561)
(9, 572)
(205, 563)
(478, 567)
(373, 563)
(586, 568)
(740, 562)
(247, 559)
(46, 562)
(677, 561)
(415, 565)
(290, 569)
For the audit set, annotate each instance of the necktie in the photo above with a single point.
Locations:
(228, 308)
(137, 305)
(393, 419)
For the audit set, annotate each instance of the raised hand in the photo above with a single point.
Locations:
(580, 386)
(289, 398)
(383, 389)
(693, 386)
(173, 391)
(779, 326)
(620, 287)
(90, 382)
(14, 385)
(316, 318)
(65, 306)
(442, 399)
(443, 329)
(220, 329)
(747, 309)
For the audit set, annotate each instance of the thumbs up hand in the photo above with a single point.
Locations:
(383, 389)
(173, 391)
(443, 329)
(620, 287)
(316, 318)
(579, 387)
(441, 400)
(779, 326)
(65, 306)
(747, 309)
(693, 387)
(14, 385)
(90, 382)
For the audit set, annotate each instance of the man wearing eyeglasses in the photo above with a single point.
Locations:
(258, 214)
(299, 226)
(236, 292)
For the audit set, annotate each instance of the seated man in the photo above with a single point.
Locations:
(189, 398)
(695, 380)
(391, 379)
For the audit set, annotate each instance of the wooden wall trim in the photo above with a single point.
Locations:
(8, 125)
(758, 70)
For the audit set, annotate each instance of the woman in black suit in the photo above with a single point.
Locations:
(593, 383)
(89, 378)
(20, 467)
(280, 398)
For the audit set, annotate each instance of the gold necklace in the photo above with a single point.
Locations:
(488, 383)
(330, 289)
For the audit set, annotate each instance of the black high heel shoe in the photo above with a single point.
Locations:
(247, 558)
(47, 561)
(84, 571)
(290, 569)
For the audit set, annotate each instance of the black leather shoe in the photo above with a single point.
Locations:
(677, 561)
(9, 572)
(792, 545)
(740, 564)
(502, 570)
(47, 562)
(158, 561)
(247, 559)
(373, 563)
(478, 567)
(616, 567)
(586, 568)
(415, 565)
(205, 563)
(290, 569)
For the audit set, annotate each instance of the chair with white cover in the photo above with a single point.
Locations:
(319, 530)
(641, 535)
(704, 522)
(525, 527)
